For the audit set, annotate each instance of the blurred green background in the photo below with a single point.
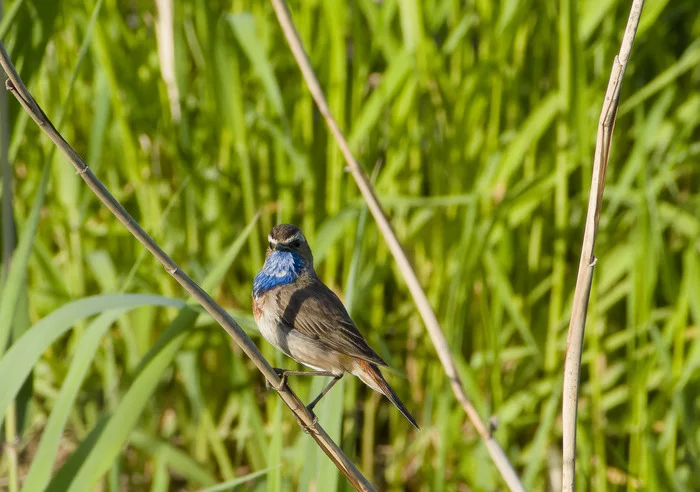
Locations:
(476, 120)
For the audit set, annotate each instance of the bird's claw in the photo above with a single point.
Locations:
(306, 429)
(270, 386)
(283, 380)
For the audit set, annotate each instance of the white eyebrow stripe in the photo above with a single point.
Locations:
(296, 236)
(270, 239)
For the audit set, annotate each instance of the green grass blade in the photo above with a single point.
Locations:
(22, 356)
(391, 84)
(233, 484)
(689, 61)
(218, 271)
(11, 290)
(62, 479)
(531, 131)
(120, 424)
(243, 26)
(172, 457)
(43, 462)
(8, 17)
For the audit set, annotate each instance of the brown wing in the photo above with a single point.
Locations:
(316, 312)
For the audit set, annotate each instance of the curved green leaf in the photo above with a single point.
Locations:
(121, 422)
(12, 288)
(43, 461)
(17, 363)
(232, 484)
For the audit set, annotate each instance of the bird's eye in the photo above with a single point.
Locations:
(270, 244)
(295, 244)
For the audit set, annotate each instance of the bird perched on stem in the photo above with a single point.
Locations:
(303, 318)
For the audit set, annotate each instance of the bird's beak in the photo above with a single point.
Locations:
(281, 247)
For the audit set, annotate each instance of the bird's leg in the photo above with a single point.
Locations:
(283, 373)
(335, 379)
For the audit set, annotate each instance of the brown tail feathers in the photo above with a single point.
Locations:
(372, 377)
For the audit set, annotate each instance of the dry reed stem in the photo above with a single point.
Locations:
(572, 365)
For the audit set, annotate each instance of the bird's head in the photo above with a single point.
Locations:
(289, 238)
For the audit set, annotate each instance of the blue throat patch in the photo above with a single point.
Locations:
(280, 268)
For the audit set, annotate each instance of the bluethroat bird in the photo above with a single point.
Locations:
(303, 318)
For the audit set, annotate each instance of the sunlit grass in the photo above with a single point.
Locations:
(479, 121)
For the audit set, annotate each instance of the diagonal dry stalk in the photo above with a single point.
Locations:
(422, 303)
(306, 419)
(572, 365)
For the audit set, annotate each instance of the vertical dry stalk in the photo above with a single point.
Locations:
(420, 298)
(572, 365)
(306, 419)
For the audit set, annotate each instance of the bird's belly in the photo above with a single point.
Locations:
(300, 348)
(272, 330)
(316, 356)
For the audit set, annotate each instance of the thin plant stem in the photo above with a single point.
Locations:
(306, 418)
(420, 298)
(572, 364)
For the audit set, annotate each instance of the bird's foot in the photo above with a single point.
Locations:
(307, 429)
(283, 380)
